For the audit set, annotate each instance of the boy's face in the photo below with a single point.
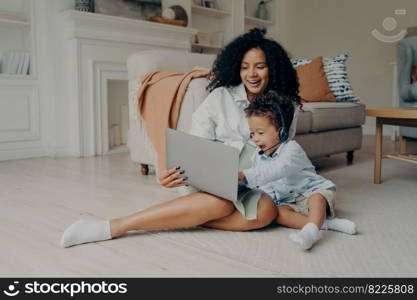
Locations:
(263, 133)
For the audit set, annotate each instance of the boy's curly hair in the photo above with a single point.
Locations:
(282, 76)
(276, 107)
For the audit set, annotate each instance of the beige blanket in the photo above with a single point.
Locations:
(159, 100)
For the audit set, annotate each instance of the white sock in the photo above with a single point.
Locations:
(86, 231)
(342, 225)
(306, 237)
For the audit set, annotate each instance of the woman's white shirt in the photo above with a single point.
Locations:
(221, 117)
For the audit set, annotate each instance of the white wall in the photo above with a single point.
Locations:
(50, 55)
(310, 28)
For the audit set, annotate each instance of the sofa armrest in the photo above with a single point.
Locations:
(195, 95)
(409, 92)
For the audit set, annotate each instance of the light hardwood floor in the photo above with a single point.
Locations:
(40, 197)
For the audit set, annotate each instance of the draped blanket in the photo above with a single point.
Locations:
(159, 99)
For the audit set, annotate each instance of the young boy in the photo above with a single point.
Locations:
(282, 170)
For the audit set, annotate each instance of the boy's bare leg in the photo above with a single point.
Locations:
(317, 213)
(310, 224)
(289, 218)
(317, 209)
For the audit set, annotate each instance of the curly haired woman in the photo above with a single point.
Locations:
(248, 66)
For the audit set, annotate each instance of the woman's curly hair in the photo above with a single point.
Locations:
(282, 76)
(276, 107)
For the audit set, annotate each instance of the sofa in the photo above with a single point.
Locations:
(323, 128)
(406, 59)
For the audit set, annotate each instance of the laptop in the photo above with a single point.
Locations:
(210, 166)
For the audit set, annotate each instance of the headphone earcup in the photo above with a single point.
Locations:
(283, 135)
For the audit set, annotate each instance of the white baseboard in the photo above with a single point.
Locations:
(63, 152)
(11, 154)
(118, 149)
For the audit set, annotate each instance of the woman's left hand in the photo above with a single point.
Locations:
(172, 178)
(241, 176)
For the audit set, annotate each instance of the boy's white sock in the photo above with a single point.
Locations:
(86, 231)
(342, 225)
(307, 236)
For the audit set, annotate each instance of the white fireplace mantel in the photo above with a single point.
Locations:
(118, 29)
(92, 47)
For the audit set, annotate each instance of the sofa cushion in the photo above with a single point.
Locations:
(336, 73)
(313, 82)
(335, 115)
(322, 143)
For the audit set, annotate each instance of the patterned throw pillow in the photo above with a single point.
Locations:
(336, 73)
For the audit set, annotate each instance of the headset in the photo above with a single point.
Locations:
(283, 132)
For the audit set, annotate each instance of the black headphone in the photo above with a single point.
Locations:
(283, 132)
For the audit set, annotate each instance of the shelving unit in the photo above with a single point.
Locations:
(257, 22)
(232, 17)
(209, 21)
(201, 48)
(11, 77)
(17, 36)
(210, 12)
(14, 23)
(20, 106)
(250, 18)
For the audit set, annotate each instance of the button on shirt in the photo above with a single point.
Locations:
(221, 117)
(286, 174)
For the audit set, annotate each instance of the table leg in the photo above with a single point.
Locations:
(403, 145)
(378, 151)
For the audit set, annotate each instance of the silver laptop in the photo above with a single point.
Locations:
(209, 165)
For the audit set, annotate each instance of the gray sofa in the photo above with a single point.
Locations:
(406, 58)
(323, 128)
(326, 128)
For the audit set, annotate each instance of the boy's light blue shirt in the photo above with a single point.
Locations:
(286, 174)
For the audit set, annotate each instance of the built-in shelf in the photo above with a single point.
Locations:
(206, 46)
(13, 23)
(4, 77)
(209, 12)
(257, 21)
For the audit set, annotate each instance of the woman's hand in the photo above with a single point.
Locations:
(172, 178)
(241, 176)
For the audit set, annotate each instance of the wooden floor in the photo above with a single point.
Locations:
(40, 197)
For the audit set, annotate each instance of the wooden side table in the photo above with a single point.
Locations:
(391, 116)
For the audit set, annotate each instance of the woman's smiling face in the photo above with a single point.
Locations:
(254, 72)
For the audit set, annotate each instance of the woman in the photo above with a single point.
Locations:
(248, 66)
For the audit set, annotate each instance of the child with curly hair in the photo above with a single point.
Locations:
(282, 170)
